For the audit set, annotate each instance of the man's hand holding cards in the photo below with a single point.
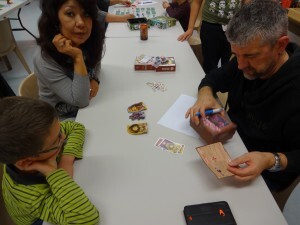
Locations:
(216, 158)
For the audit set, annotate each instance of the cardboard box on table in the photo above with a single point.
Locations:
(162, 22)
(134, 23)
(215, 128)
(168, 66)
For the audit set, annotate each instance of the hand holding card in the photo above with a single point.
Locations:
(216, 158)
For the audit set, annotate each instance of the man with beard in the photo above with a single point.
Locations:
(263, 85)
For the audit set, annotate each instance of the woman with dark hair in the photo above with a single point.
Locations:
(67, 63)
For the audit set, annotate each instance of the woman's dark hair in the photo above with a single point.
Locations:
(24, 126)
(49, 27)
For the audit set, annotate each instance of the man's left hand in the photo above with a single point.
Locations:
(252, 165)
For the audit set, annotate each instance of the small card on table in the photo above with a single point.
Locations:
(170, 146)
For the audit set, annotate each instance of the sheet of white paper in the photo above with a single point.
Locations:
(174, 117)
(147, 2)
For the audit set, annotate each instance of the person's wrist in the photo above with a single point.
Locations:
(95, 79)
(206, 90)
(274, 162)
(68, 158)
(190, 29)
(270, 160)
(78, 59)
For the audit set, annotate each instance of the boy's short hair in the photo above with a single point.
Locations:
(24, 126)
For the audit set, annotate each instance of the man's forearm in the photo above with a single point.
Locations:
(205, 91)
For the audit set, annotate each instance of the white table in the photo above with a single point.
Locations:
(129, 180)
(8, 8)
(120, 30)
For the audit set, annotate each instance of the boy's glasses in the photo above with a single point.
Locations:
(54, 148)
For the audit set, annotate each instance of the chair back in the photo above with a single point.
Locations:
(29, 87)
(7, 40)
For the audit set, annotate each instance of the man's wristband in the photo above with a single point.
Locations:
(277, 166)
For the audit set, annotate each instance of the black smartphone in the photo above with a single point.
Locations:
(212, 213)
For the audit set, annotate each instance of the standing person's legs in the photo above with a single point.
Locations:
(211, 36)
(226, 52)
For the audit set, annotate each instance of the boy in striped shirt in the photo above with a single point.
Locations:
(38, 153)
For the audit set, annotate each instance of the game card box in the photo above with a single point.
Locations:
(134, 23)
(162, 22)
(215, 128)
(213, 213)
(159, 64)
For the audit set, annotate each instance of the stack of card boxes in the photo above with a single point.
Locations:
(150, 63)
(162, 22)
(215, 128)
(134, 24)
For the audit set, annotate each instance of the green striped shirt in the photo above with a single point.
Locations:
(59, 200)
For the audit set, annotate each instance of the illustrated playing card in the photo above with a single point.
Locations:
(216, 158)
(171, 146)
(137, 107)
(137, 128)
(159, 140)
